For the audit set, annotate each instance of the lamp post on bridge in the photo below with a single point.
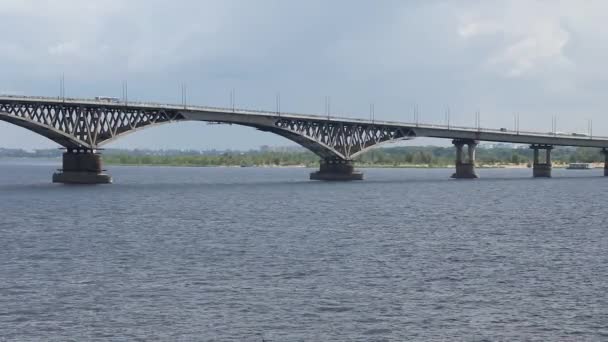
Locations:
(125, 92)
(516, 123)
(184, 90)
(372, 112)
(278, 103)
(328, 107)
(62, 87)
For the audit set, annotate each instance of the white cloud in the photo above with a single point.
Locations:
(470, 28)
(529, 37)
(543, 47)
(65, 49)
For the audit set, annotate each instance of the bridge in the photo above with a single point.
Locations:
(84, 126)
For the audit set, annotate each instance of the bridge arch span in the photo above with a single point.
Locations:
(90, 126)
(81, 126)
(47, 131)
(410, 135)
(84, 126)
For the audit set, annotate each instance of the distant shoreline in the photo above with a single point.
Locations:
(113, 162)
(405, 157)
(309, 166)
(365, 166)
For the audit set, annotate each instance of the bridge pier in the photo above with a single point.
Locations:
(336, 170)
(540, 169)
(81, 167)
(605, 153)
(465, 169)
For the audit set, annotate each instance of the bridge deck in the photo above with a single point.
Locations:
(421, 130)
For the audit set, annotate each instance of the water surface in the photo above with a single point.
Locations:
(245, 254)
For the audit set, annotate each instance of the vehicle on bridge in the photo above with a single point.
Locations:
(107, 99)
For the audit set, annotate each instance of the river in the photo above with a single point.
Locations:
(252, 254)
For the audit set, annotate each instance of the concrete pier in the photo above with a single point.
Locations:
(336, 170)
(605, 153)
(465, 169)
(81, 167)
(542, 169)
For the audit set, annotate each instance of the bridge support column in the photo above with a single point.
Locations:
(605, 153)
(336, 170)
(81, 167)
(542, 169)
(465, 169)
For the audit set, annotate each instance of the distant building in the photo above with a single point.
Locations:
(497, 145)
(283, 149)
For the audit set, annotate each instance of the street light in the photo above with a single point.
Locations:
(62, 87)
(554, 124)
(233, 99)
(278, 103)
(125, 92)
(372, 112)
(516, 119)
(184, 95)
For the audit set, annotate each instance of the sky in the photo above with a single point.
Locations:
(537, 59)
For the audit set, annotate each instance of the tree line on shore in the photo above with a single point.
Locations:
(421, 156)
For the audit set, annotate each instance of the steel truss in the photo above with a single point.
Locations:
(345, 139)
(82, 126)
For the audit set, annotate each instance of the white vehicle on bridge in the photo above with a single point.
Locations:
(107, 99)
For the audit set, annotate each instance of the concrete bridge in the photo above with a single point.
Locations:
(83, 126)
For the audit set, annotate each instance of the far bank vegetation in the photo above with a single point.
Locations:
(415, 156)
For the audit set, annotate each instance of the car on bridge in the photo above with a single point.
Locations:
(107, 99)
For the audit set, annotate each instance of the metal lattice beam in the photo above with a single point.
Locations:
(80, 126)
(90, 125)
(344, 140)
